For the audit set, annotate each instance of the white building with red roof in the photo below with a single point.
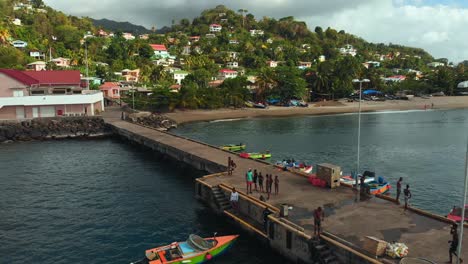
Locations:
(35, 94)
(227, 73)
(160, 51)
(215, 28)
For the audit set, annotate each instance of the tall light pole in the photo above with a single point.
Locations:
(460, 237)
(87, 70)
(358, 188)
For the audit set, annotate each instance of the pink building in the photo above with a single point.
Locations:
(111, 90)
(34, 94)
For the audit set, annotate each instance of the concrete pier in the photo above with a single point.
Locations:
(347, 222)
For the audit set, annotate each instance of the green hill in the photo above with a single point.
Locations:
(112, 25)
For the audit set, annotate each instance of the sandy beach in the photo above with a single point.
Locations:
(321, 108)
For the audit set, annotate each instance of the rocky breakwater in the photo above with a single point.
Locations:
(156, 121)
(53, 128)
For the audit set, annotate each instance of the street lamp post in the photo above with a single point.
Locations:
(358, 188)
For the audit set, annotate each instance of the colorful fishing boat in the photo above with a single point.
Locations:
(455, 214)
(348, 179)
(376, 187)
(307, 169)
(233, 147)
(255, 155)
(194, 250)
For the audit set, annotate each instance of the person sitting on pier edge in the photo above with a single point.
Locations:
(266, 213)
(319, 216)
(234, 199)
(398, 189)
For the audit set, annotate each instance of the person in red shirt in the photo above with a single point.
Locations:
(319, 216)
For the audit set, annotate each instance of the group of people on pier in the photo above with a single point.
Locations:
(256, 179)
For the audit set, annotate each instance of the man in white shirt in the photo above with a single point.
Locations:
(234, 199)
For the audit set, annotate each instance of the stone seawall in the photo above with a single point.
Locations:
(53, 128)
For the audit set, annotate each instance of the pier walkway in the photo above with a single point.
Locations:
(425, 236)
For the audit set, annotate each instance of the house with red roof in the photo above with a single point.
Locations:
(227, 73)
(160, 51)
(215, 28)
(111, 90)
(36, 94)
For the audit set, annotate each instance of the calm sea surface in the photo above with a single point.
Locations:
(101, 201)
(426, 148)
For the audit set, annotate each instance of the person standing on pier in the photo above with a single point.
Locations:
(267, 186)
(233, 165)
(260, 181)
(249, 179)
(319, 216)
(398, 189)
(270, 187)
(255, 177)
(408, 196)
(276, 184)
(234, 199)
(454, 243)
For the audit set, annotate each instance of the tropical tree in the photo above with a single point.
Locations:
(265, 81)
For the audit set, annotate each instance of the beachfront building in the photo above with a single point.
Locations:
(227, 73)
(179, 76)
(35, 94)
(37, 66)
(111, 90)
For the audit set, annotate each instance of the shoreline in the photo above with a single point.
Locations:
(320, 108)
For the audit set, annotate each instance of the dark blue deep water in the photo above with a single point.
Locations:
(101, 201)
(426, 148)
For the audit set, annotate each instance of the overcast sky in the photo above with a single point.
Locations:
(438, 26)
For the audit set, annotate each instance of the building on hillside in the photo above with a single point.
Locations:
(395, 78)
(175, 88)
(304, 65)
(348, 50)
(102, 33)
(19, 44)
(186, 50)
(91, 80)
(232, 64)
(131, 76)
(321, 58)
(256, 32)
(215, 28)
(269, 41)
(128, 36)
(233, 54)
(61, 62)
(210, 36)
(215, 83)
(34, 94)
(160, 51)
(436, 64)
(37, 66)
(16, 22)
(224, 20)
(194, 39)
(164, 62)
(179, 76)
(111, 90)
(371, 64)
(38, 55)
(272, 64)
(233, 41)
(227, 73)
(144, 36)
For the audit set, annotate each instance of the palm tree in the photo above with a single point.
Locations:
(243, 12)
(4, 35)
(265, 81)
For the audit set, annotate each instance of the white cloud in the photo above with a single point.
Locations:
(439, 29)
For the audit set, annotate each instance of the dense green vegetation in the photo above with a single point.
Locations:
(284, 40)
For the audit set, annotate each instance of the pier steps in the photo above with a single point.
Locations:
(323, 253)
(221, 200)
